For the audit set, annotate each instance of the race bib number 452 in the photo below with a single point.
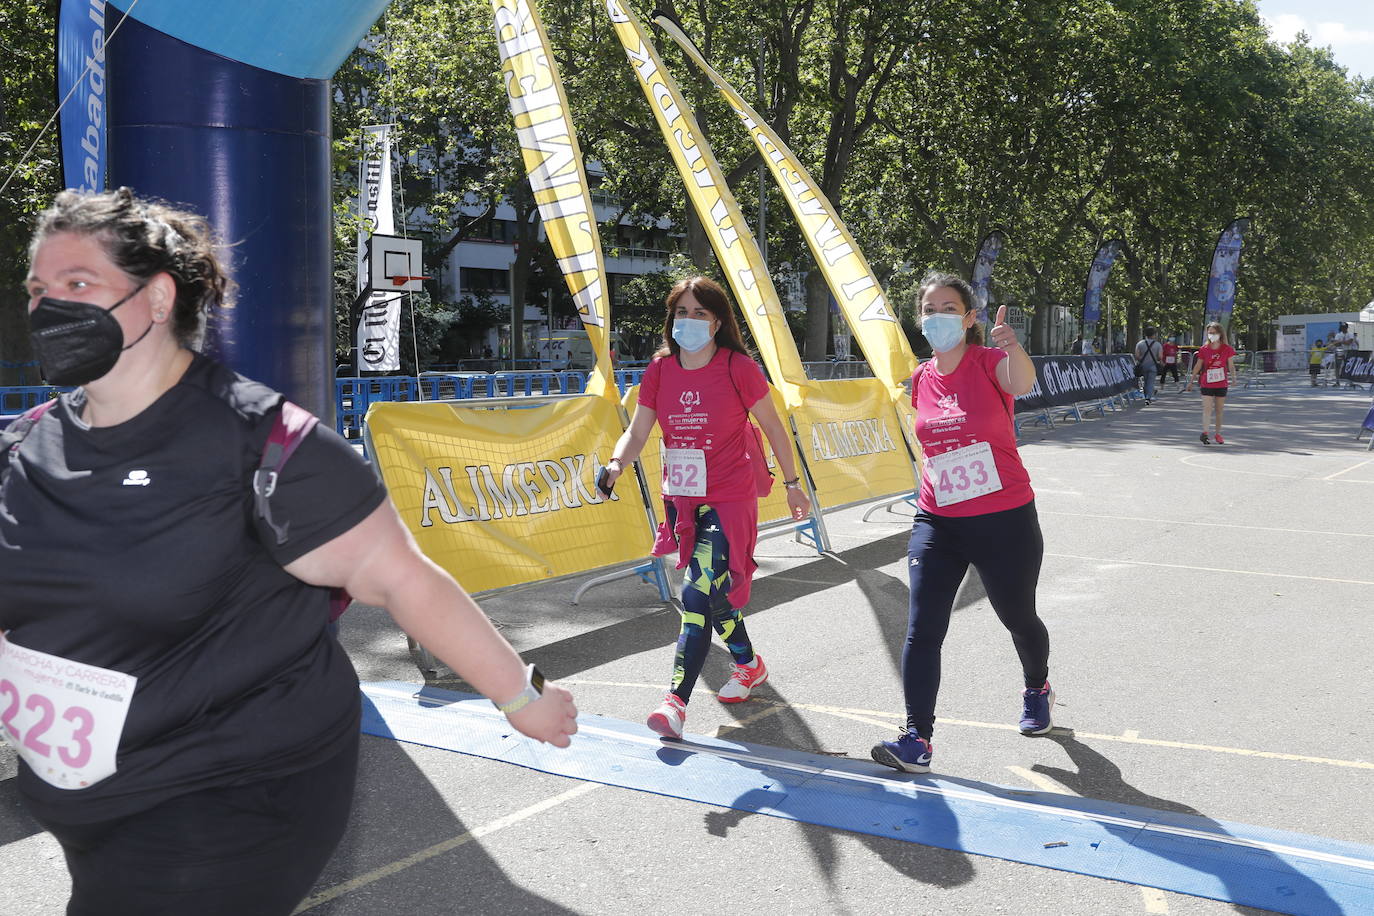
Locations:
(63, 717)
(963, 473)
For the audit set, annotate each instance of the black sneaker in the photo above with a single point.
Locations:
(1204, 440)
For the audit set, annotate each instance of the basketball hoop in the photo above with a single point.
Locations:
(402, 280)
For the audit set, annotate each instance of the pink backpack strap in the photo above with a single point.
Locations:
(289, 428)
(20, 427)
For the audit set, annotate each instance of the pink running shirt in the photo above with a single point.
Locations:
(704, 408)
(960, 409)
(1214, 359)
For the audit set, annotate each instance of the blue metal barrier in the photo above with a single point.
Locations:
(20, 398)
(352, 396)
(626, 379)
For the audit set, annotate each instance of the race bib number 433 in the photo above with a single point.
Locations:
(963, 473)
(63, 717)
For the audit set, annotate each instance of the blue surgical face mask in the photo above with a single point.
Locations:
(691, 334)
(943, 331)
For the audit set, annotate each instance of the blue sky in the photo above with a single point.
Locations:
(1346, 26)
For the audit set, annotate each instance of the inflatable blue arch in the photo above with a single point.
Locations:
(224, 107)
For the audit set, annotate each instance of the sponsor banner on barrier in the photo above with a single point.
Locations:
(852, 439)
(1064, 380)
(721, 219)
(852, 284)
(772, 508)
(553, 161)
(1358, 367)
(505, 496)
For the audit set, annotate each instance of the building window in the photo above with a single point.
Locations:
(485, 280)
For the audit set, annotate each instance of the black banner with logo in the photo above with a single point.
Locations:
(1064, 380)
(1358, 367)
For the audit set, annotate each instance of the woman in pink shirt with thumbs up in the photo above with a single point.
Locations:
(975, 508)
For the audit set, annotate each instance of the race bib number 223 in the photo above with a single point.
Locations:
(64, 718)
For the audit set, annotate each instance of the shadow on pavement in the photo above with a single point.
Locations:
(1098, 777)
(396, 814)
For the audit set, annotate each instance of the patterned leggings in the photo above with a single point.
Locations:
(704, 591)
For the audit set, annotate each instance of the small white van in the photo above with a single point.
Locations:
(568, 349)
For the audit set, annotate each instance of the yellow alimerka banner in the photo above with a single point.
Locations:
(554, 163)
(846, 270)
(851, 435)
(772, 508)
(713, 201)
(501, 497)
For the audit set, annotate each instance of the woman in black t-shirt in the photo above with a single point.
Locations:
(187, 728)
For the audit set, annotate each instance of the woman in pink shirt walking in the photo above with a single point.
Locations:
(975, 507)
(701, 388)
(1213, 368)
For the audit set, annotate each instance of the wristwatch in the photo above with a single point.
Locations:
(534, 689)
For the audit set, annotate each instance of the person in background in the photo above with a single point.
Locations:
(1214, 366)
(1342, 344)
(701, 388)
(213, 774)
(1149, 357)
(1170, 351)
(975, 507)
(1314, 360)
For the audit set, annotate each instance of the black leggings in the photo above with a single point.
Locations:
(1005, 548)
(252, 849)
(1165, 369)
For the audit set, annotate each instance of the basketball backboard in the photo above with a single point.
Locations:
(395, 263)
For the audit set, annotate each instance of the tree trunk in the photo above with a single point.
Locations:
(14, 346)
(817, 344)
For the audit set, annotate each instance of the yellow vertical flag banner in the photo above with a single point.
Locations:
(846, 270)
(713, 201)
(554, 163)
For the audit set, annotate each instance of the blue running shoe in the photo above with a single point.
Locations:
(910, 752)
(1035, 710)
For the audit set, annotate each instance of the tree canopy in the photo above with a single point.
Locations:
(926, 123)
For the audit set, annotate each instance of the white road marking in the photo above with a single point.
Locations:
(1242, 572)
(1043, 783)
(1154, 900)
(1348, 470)
(439, 849)
(1178, 521)
(885, 719)
(1191, 459)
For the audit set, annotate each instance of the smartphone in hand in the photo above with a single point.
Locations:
(601, 482)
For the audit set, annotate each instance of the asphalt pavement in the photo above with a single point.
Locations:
(1211, 615)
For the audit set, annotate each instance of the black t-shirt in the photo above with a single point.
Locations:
(136, 548)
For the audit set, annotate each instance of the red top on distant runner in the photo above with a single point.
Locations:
(1214, 361)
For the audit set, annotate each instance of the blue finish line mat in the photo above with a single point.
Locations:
(1236, 863)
